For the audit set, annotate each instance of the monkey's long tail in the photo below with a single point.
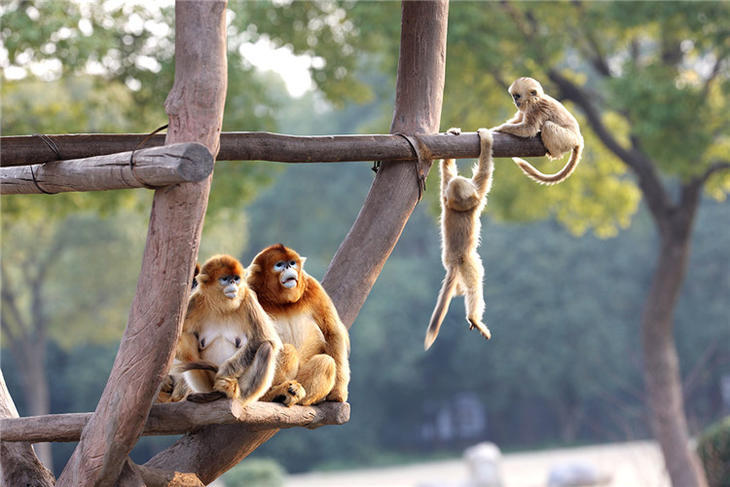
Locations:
(533, 173)
(200, 365)
(442, 306)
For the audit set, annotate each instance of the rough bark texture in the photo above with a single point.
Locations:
(214, 449)
(195, 109)
(159, 166)
(181, 417)
(23, 150)
(18, 463)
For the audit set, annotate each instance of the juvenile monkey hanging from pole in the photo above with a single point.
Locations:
(462, 202)
(543, 114)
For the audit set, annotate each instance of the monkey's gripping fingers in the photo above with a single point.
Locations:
(454, 131)
(228, 386)
(474, 323)
(288, 393)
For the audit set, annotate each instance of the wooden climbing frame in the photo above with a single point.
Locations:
(217, 436)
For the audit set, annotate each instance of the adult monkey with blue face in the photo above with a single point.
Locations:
(313, 365)
(228, 346)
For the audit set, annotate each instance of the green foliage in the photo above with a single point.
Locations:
(255, 473)
(713, 448)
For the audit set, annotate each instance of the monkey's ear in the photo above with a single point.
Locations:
(303, 259)
(203, 278)
(253, 269)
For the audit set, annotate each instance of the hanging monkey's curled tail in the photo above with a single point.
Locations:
(442, 306)
(533, 173)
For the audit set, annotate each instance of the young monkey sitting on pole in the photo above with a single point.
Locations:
(540, 113)
(462, 202)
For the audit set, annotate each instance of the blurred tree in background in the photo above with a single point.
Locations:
(649, 84)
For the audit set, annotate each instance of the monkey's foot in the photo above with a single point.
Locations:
(173, 389)
(454, 131)
(337, 395)
(288, 393)
(228, 386)
(203, 397)
(473, 323)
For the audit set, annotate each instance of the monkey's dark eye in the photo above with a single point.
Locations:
(292, 263)
(236, 279)
(516, 96)
(533, 92)
(279, 265)
(223, 280)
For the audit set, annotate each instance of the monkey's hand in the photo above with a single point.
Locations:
(227, 385)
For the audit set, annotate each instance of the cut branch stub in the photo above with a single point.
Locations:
(155, 167)
(265, 146)
(181, 417)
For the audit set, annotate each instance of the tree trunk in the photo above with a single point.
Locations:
(36, 392)
(661, 369)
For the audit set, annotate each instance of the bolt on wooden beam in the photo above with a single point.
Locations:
(265, 146)
(155, 167)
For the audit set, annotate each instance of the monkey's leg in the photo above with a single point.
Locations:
(472, 272)
(246, 375)
(317, 376)
(285, 389)
(558, 140)
(287, 364)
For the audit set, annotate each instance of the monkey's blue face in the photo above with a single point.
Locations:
(230, 285)
(288, 273)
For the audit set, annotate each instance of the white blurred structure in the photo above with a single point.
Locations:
(483, 461)
(576, 474)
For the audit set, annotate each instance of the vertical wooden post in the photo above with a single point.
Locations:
(421, 70)
(195, 109)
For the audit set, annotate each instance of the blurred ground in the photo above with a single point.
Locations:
(634, 464)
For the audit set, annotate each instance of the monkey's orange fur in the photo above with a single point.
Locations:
(543, 114)
(462, 202)
(313, 365)
(226, 328)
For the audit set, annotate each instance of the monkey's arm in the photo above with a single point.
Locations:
(448, 171)
(522, 125)
(337, 339)
(482, 177)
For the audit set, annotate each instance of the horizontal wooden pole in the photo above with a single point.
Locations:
(154, 167)
(181, 417)
(265, 146)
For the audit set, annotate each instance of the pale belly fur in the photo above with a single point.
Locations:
(219, 340)
(302, 332)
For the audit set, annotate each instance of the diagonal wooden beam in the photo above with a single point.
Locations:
(156, 167)
(21, 150)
